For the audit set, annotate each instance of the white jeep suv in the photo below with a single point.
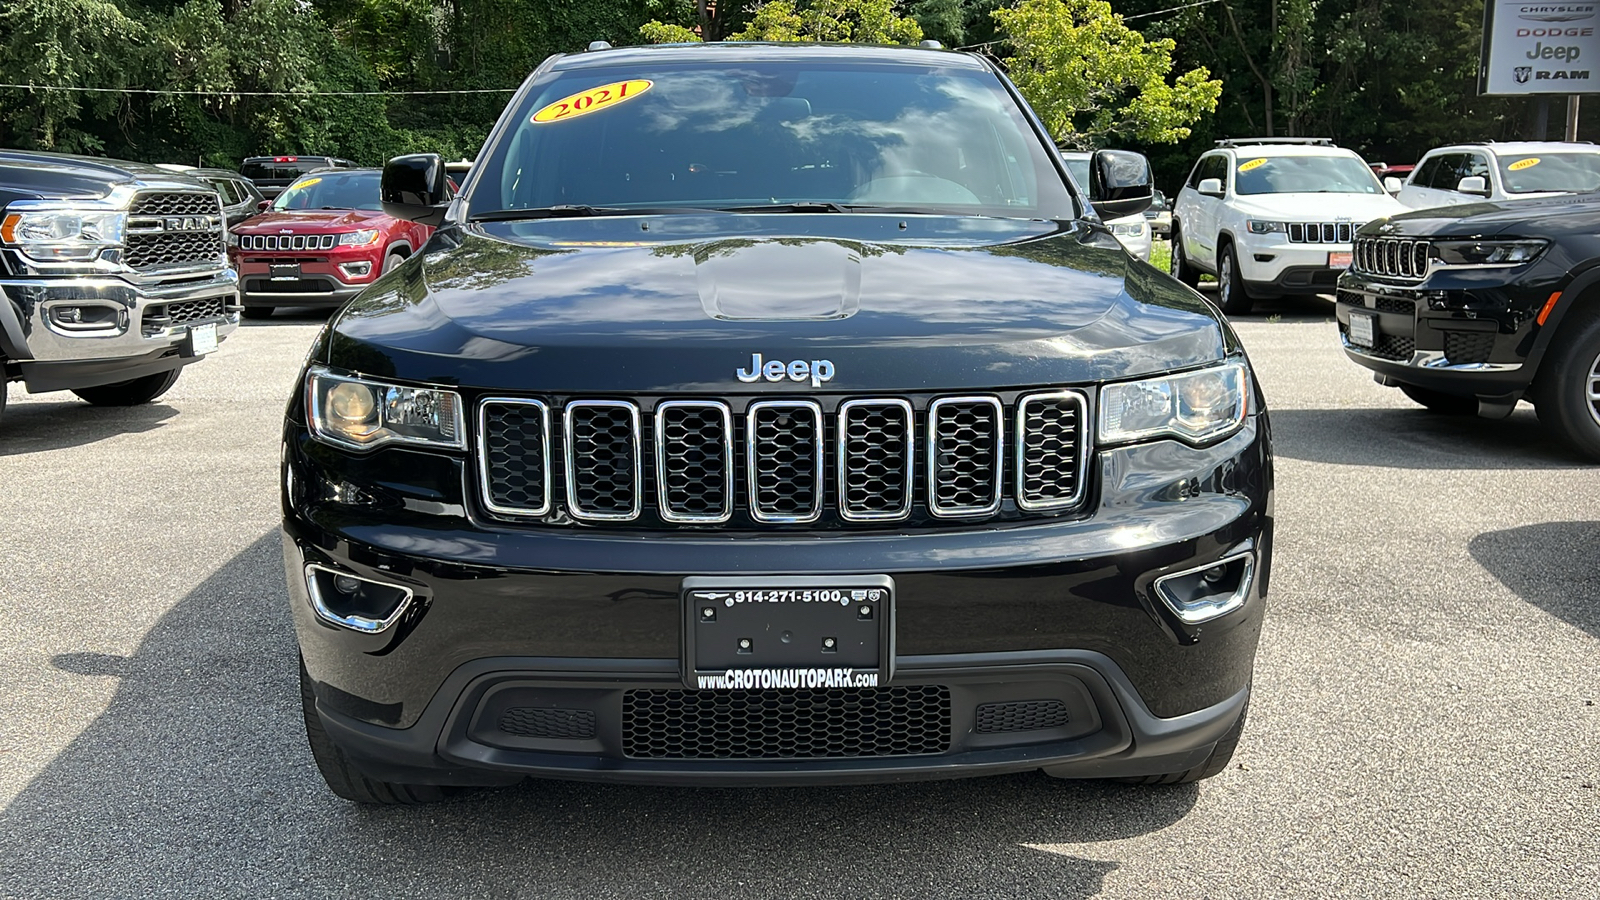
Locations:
(1273, 216)
(1473, 173)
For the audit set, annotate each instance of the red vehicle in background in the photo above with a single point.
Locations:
(320, 242)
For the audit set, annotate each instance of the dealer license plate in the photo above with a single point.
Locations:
(1363, 329)
(1340, 259)
(788, 632)
(203, 339)
(284, 271)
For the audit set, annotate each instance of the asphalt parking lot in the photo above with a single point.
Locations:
(1425, 721)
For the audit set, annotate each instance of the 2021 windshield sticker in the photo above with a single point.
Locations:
(1521, 164)
(592, 100)
(1252, 164)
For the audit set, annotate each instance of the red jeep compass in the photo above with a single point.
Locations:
(323, 240)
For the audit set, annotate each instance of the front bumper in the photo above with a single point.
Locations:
(1271, 264)
(572, 619)
(318, 280)
(1467, 333)
(131, 325)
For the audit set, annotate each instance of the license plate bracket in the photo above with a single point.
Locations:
(284, 271)
(799, 631)
(1340, 259)
(202, 339)
(1363, 329)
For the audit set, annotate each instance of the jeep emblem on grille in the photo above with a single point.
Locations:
(818, 370)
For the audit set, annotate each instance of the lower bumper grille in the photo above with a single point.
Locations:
(1021, 715)
(1468, 346)
(906, 720)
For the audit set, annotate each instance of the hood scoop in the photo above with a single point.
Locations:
(778, 279)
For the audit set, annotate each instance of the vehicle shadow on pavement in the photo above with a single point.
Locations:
(1552, 565)
(196, 781)
(39, 427)
(1418, 439)
(292, 315)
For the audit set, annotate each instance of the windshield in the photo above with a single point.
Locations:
(1550, 172)
(332, 190)
(285, 171)
(721, 135)
(1305, 174)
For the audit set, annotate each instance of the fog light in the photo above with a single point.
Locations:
(356, 269)
(359, 604)
(1210, 591)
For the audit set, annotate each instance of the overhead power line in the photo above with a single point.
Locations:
(1143, 15)
(196, 93)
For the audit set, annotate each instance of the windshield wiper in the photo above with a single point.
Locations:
(571, 211)
(805, 206)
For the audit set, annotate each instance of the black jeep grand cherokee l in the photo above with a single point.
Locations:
(1471, 308)
(772, 415)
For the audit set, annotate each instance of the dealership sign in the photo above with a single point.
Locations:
(1540, 48)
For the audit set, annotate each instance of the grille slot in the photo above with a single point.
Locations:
(784, 439)
(1468, 346)
(964, 456)
(561, 724)
(603, 470)
(1021, 715)
(694, 461)
(904, 720)
(514, 455)
(877, 456)
(1049, 441)
(1392, 257)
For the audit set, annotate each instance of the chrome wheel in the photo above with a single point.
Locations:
(1225, 281)
(1592, 386)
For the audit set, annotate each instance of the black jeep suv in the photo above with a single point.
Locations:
(773, 415)
(1471, 308)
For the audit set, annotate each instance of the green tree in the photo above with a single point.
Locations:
(61, 43)
(842, 21)
(1092, 78)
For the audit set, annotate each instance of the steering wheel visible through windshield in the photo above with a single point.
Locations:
(845, 134)
(332, 190)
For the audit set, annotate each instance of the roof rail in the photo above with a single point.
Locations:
(1302, 141)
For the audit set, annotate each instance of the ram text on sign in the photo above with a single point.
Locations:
(1540, 48)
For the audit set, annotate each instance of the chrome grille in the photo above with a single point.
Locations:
(694, 461)
(196, 310)
(182, 203)
(1321, 232)
(756, 463)
(514, 454)
(964, 456)
(784, 439)
(174, 230)
(1392, 257)
(288, 241)
(603, 468)
(876, 458)
(1049, 435)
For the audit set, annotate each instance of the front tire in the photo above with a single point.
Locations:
(1441, 403)
(1232, 298)
(392, 262)
(1568, 385)
(1179, 265)
(343, 778)
(130, 393)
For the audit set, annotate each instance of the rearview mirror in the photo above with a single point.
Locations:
(1393, 185)
(416, 188)
(1473, 184)
(1120, 183)
(1211, 187)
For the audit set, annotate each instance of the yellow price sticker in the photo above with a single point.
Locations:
(1252, 164)
(592, 100)
(308, 183)
(1521, 164)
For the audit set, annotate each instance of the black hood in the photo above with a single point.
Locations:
(36, 175)
(1542, 217)
(679, 303)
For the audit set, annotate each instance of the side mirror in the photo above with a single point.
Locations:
(1211, 187)
(1120, 183)
(416, 188)
(263, 206)
(1393, 185)
(1474, 184)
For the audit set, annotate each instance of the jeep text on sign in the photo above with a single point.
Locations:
(1540, 48)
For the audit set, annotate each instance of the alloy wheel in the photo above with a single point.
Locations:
(1225, 280)
(1592, 388)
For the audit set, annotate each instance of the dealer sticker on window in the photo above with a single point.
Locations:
(592, 100)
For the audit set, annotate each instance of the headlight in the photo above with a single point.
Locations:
(355, 238)
(361, 414)
(1259, 227)
(1487, 253)
(1197, 407)
(63, 235)
(233, 239)
(1133, 230)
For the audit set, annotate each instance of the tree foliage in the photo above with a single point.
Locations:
(841, 21)
(1091, 78)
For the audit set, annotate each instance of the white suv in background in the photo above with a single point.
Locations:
(1273, 216)
(1473, 173)
(1133, 232)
